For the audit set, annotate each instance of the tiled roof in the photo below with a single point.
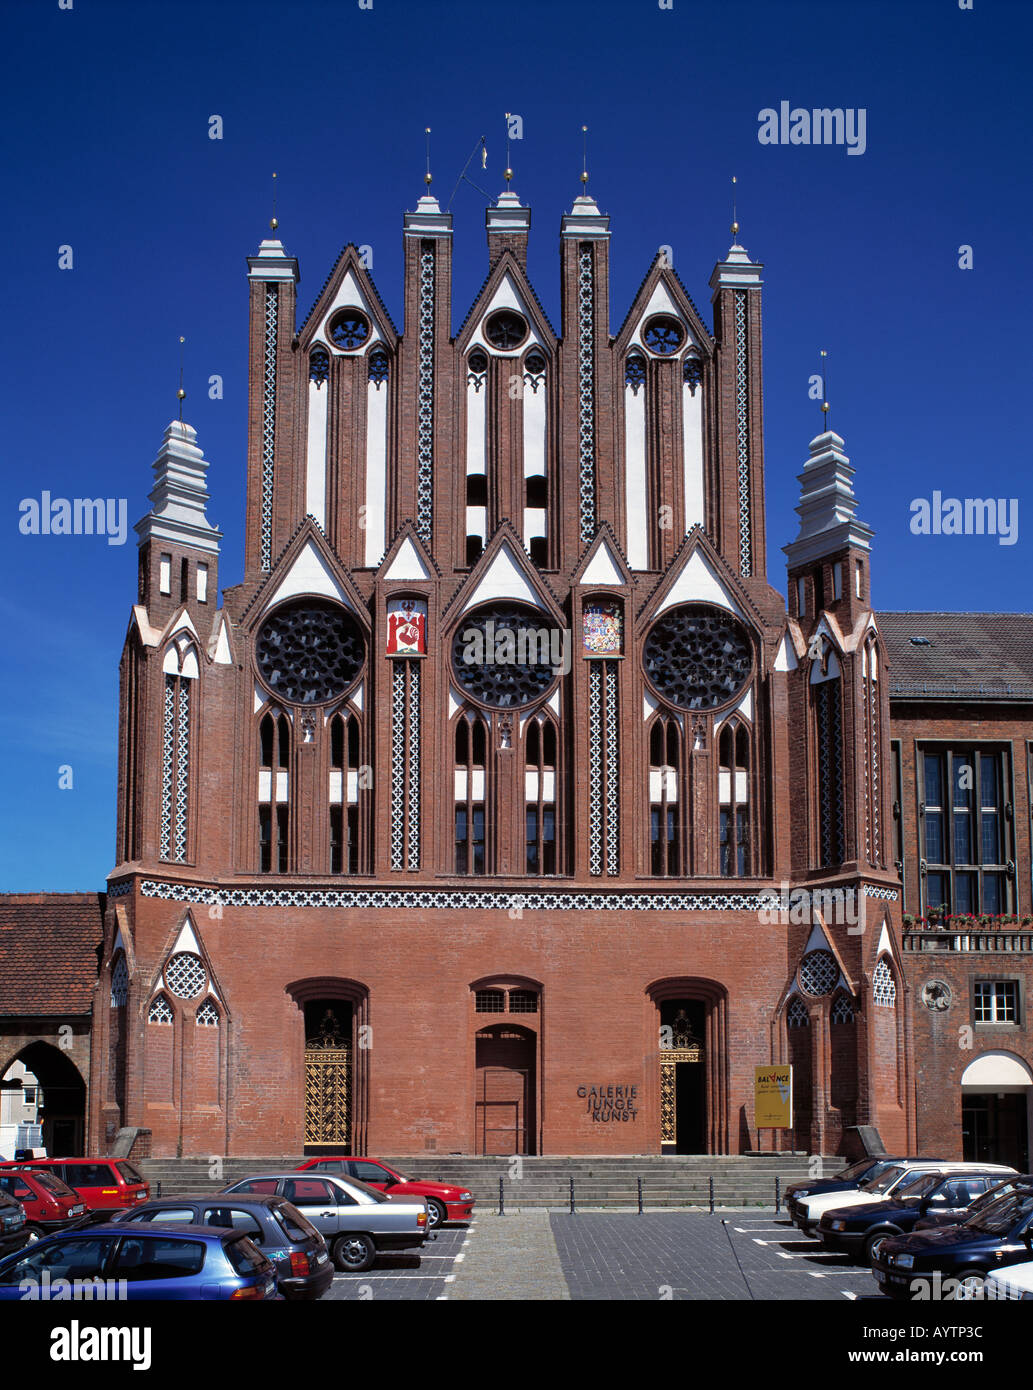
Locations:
(981, 656)
(48, 952)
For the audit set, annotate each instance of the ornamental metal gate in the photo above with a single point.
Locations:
(328, 1085)
(678, 1048)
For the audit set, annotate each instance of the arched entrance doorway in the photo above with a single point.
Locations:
(687, 1022)
(505, 1060)
(61, 1099)
(682, 1077)
(328, 1075)
(995, 1110)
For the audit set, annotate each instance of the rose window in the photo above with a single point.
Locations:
(663, 335)
(818, 972)
(698, 657)
(349, 328)
(184, 975)
(505, 329)
(507, 656)
(310, 651)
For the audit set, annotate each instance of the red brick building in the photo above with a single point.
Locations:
(503, 806)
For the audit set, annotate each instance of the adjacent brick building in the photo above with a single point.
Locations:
(504, 805)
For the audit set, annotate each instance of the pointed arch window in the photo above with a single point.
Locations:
(160, 1010)
(119, 982)
(831, 829)
(274, 738)
(207, 1015)
(345, 778)
(796, 1014)
(884, 987)
(843, 1010)
(471, 794)
(664, 793)
(540, 777)
(734, 799)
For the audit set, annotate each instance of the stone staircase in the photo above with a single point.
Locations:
(682, 1181)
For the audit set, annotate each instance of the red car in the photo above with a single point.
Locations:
(49, 1203)
(444, 1202)
(100, 1182)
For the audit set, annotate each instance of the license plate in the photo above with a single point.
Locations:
(269, 1287)
(77, 1211)
(322, 1259)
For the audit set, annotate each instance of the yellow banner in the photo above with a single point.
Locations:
(773, 1097)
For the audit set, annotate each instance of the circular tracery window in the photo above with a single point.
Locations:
(505, 329)
(818, 972)
(184, 975)
(698, 657)
(663, 334)
(310, 651)
(507, 656)
(349, 328)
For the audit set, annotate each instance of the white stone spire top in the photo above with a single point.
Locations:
(508, 214)
(736, 270)
(828, 507)
(272, 262)
(180, 494)
(584, 219)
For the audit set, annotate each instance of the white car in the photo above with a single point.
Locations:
(1014, 1281)
(811, 1208)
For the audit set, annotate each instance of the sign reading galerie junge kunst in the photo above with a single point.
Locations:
(607, 1103)
(406, 627)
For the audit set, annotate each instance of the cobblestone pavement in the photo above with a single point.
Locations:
(688, 1255)
(614, 1255)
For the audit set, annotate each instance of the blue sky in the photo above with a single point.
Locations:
(106, 149)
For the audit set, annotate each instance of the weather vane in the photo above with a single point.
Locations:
(825, 387)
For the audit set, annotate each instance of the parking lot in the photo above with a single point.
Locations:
(657, 1256)
(407, 1276)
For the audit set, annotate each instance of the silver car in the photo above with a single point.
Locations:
(355, 1220)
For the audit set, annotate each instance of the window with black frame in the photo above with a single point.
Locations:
(964, 827)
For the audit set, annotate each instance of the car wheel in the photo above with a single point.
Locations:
(33, 1233)
(437, 1213)
(871, 1245)
(971, 1283)
(354, 1253)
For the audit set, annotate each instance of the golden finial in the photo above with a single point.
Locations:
(507, 173)
(427, 178)
(273, 223)
(584, 154)
(181, 394)
(735, 223)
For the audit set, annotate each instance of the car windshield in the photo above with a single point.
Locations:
(373, 1192)
(294, 1224)
(856, 1170)
(1000, 1216)
(244, 1255)
(884, 1181)
(129, 1172)
(918, 1186)
(53, 1184)
(399, 1176)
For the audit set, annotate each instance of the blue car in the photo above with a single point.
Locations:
(118, 1262)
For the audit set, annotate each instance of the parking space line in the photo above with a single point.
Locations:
(847, 1294)
(366, 1277)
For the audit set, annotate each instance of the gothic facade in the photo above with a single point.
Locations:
(502, 805)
